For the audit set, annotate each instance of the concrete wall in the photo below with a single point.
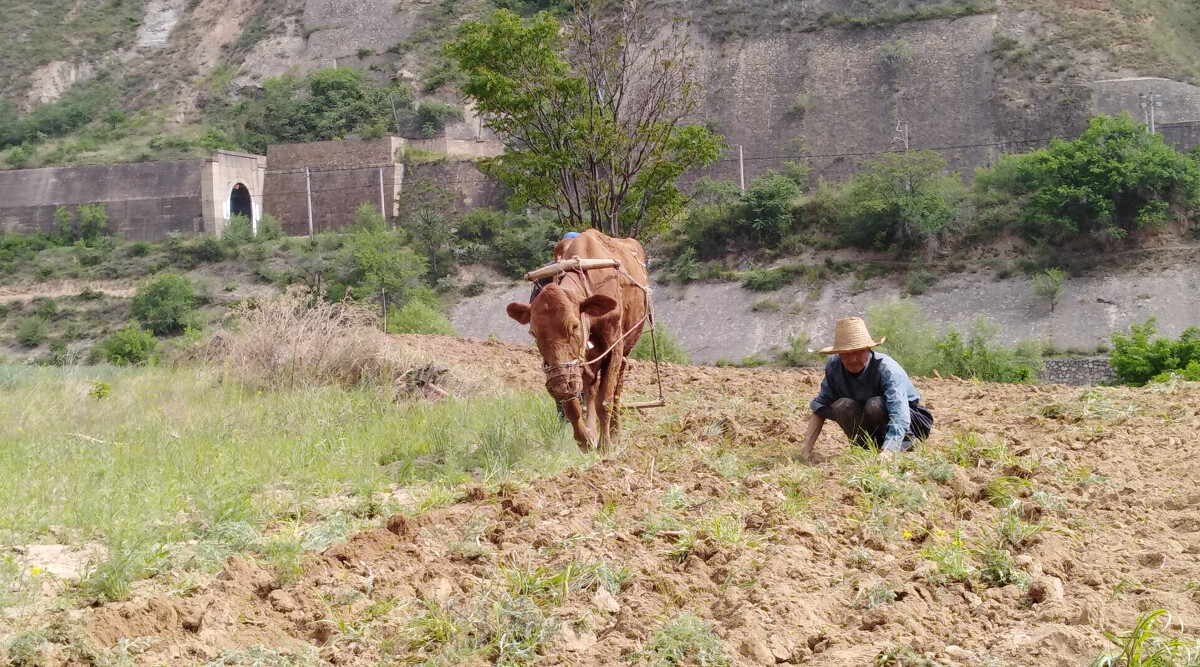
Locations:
(221, 172)
(144, 201)
(475, 190)
(1180, 101)
(1183, 136)
(343, 175)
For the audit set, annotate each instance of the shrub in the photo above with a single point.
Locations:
(269, 228)
(764, 280)
(670, 350)
(378, 260)
(1048, 286)
(293, 341)
(165, 304)
(766, 208)
(913, 343)
(139, 249)
(526, 244)
(32, 331)
(1115, 178)
(480, 225)
(129, 346)
(797, 352)
(419, 316)
(1136, 359)
(434, 115)
(238, 230)
(899, 198)
(45, 308)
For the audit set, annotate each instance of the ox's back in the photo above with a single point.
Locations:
(593, 244)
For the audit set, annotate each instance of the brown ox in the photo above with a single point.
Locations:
(605, 308)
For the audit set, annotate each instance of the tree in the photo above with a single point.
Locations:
(592, 114)
(899, 198)
(1048, 286)
(1114, 179)
(165, 304)
(427, 212)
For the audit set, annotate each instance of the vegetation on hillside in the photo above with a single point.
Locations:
(594, 113)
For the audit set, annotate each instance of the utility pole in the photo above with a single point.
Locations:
(1148, 102)
(308, 190)
(742, 169)
(382, 211)
(395, 114)
(902, 133)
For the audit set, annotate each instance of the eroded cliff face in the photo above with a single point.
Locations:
(845, 78)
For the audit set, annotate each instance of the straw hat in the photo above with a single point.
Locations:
(851, 334)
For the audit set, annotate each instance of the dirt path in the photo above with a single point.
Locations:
(705, 512)
(56, 289)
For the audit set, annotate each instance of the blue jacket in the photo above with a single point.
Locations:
(881, 377)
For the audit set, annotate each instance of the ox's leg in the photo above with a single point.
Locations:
(573, 411)
(606, 402)
(591, 394)
(615, 426)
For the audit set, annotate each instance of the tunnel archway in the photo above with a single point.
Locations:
(239, 201)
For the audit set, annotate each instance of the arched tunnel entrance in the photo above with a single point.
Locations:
(239, 202)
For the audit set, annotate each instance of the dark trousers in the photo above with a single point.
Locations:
(867, 424)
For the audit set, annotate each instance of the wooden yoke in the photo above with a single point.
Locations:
(574, 264)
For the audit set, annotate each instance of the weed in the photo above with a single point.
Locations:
(592, 574)
(765, 304)
(860, 559)
(952, 557)
(1147, 645)
(997, 568)
(869, 598)
(970, 449)
(1004, 491)
(726, 530)
(903, 656)
(685, 639)
(674, 498)
(726, 465)
(1015, 531)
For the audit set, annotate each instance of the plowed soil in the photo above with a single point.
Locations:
(783, 555)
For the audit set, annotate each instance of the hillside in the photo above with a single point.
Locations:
(998, 74)
(1033, 521)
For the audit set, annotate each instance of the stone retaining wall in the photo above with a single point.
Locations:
(1077, 372)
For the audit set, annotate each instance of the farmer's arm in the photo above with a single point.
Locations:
(895, 393)
(820, 412)
(815, 423)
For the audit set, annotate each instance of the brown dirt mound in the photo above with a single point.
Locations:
(778, 584)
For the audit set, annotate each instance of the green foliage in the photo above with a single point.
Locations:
(1137, 359)
(239, 230)
(432, 116)
(1114, 179)
(45, 308)
(1148, 644)
(797, 352)
(90, 228)
(536, 84)
(913, 343)
(269, 228)
(367, 218)
(79, 105)
(32, 331)
(327, 104)
(426, 211)
(767, 206)
(670, 350)
(526, 244)
(1048, 286)
(165, 304)
(419, 316)
(129, 346)
(374, 260)
(899, 198)
(685, 639)
(480, 225)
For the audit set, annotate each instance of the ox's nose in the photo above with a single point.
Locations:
(564, 383)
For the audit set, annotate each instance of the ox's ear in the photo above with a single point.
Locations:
(597, 305)
(519, 312)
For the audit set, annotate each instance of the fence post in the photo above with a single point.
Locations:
(383, 306)
(308, 189)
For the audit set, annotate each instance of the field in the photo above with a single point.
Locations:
(221, 524)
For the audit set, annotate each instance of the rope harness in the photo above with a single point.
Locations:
(566, 379)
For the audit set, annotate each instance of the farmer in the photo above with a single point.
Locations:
(868, 394)
(559, 248)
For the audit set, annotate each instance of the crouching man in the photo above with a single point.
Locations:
(868, 394)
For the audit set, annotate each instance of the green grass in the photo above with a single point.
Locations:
(1148, 644)
(173, 455)
(685, 639)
